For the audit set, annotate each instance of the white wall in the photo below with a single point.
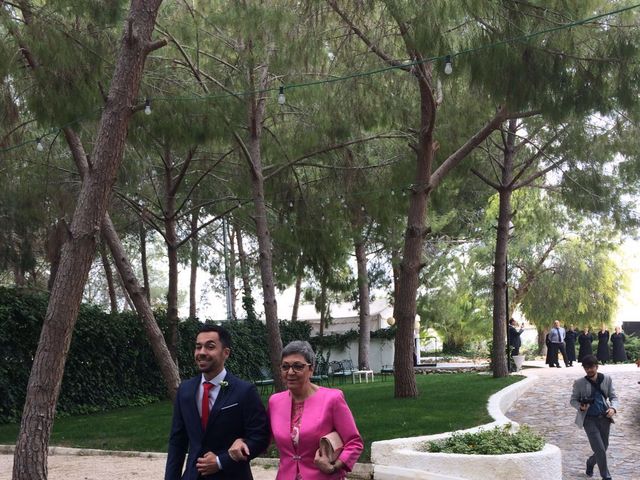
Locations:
(380, 353)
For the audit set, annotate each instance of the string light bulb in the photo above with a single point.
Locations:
(39, 146)
(291, 204)
(147, 107)
(281, 98)
(448, 65)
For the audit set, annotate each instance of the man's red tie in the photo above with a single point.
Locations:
(206, 386)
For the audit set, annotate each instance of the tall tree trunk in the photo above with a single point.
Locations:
(298, 289)
(363, 298)
(195, 245)
(242, 259)
(43, 389)
(171, 240)
(168, 368)
(55, 240)
(232, 272)
(113, 300)
(143, 260)
(500, 319)
(134, 293)
(324, 311)
(255, 112)
(405, 307)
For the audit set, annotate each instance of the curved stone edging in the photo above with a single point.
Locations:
(400, 458)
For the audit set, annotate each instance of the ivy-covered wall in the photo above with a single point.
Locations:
(110, 362)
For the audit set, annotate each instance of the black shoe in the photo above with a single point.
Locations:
(558, 366)
(589, 471)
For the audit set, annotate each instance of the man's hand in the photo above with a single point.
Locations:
(207, 464)
(584, 407)
(611, 412)
(239, 451)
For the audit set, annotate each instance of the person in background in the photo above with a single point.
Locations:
(595, 399)
(514, 336)
(585, 339)
(211, 411)
(556, 337)
(304, 413)
(617, 340)
(570, 344)
(552, 355)
(603, 345)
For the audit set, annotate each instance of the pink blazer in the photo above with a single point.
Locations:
(324, 412)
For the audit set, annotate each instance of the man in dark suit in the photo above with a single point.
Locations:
(514, 336)
(211, 411)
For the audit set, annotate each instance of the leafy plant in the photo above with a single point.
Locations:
(497, 441)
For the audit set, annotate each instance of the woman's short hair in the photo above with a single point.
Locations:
(300, 347)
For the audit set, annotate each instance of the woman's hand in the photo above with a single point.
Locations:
(239, 451)
(322, 462)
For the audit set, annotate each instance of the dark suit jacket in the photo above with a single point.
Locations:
(237, 413)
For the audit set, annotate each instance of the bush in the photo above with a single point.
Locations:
(110, 362)
(497, 441)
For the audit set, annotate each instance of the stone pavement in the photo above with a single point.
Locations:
(545, 407)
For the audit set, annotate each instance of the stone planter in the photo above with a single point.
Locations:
(518, 360)
(402, 458)
(412, 464)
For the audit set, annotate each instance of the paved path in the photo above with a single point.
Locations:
(545, 407)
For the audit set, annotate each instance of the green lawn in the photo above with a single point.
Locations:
(446, 402)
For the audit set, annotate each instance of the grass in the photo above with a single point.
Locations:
(446, 402)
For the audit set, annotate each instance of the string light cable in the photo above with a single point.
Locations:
(280, 90)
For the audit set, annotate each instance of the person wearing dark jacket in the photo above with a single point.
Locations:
(570, 344)
(596, 402)
(211, 411)
(585, 339)
(514, 336)
(603, 345)
(617, 339)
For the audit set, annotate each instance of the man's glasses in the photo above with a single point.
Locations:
(297, 367)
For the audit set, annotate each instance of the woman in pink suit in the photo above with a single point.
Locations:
(304, 413)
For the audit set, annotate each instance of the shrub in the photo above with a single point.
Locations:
(497, 441)
(110, 362)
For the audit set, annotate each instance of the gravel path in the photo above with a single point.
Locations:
(545, 407)
(101, 467)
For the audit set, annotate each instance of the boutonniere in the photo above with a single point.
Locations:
(223, 384)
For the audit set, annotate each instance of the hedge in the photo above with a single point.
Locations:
(110, 362)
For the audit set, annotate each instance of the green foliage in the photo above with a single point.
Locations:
(110, 362)
(340, 341)
(632, 347)
(498, 441)
(581, 286)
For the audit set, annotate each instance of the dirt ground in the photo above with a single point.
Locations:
(75, 467)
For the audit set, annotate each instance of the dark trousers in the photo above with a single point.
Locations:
(559, 348)
(597, 429)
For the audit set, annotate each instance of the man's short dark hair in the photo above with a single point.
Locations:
(512, 320)
(223, 333)
(589, 360)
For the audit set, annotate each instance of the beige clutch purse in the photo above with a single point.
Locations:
(331, 446)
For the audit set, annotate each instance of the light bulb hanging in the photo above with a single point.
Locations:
(281, 98)
(448, 65)
(147, 107)
(39, 146)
